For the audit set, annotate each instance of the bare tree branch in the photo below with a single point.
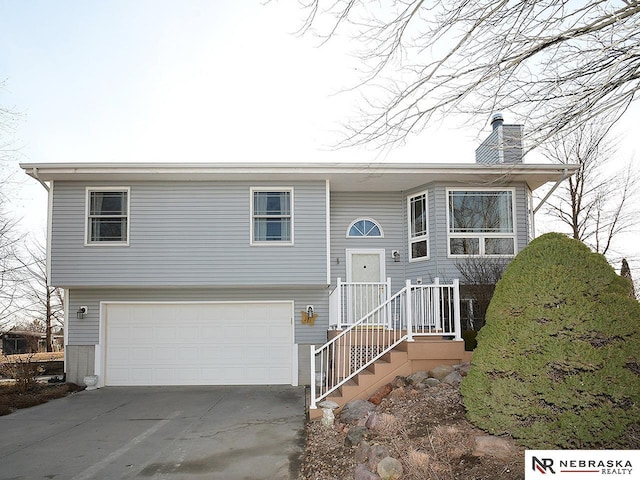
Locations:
(596, 204)
(38, 300)
(554, 62)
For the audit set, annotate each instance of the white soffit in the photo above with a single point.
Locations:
(342, 177)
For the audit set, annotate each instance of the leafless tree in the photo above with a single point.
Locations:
(554, 62)
(597, 204)
(40, 302)
(479, 276)
(8, 118)
(9, 268)
(9, 235)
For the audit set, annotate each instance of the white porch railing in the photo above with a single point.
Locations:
(414, 310)
(349, 302)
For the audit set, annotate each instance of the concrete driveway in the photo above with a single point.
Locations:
(157, 433)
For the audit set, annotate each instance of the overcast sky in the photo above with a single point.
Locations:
(176, 80)
(187, 80)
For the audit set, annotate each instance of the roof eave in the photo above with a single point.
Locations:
(343, 176)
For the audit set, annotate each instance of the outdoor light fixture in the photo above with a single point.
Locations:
(81, 312)
(395, 254)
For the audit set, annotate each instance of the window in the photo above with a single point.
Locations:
(107, 216)
(481, 222)
(272, 216)
(364, 227)
(418, 227)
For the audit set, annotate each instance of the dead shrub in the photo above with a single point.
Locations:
(449, 441)
(386, 425)
(417, 465)
(23, 370)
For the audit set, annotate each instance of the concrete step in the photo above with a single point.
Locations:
(408, 357)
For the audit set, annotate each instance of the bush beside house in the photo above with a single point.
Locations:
(557, 362)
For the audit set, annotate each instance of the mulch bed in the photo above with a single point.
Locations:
(12, 399)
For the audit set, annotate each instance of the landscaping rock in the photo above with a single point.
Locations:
(356, 410)
(399, 381)
(362, 452)
(376, 454)
(398, 393)
(492, 447)
(463, 368)
(380, 394)
(355, 436)
(377, 422)
(389, 468)
(454, 379)
(372, 420)
(417, 377)
(431, 382)
(441, 371)
(363, 474)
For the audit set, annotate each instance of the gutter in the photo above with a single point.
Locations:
(34, 174)
(565, 175)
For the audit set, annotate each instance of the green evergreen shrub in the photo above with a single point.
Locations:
(557, 362)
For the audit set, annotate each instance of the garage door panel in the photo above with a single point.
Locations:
(164, 335)
(140, 354)
(278, 355)
(120, 334)
(207, 334)
(200, 343)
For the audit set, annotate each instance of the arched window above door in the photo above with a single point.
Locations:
(364, 227)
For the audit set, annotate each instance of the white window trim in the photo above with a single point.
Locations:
(87, 202)
(253, 242)
(368, 219)
(419, 238)
(483, 236)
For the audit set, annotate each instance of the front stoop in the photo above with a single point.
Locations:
(423, 354)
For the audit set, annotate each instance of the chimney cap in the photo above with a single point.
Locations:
(496, 120)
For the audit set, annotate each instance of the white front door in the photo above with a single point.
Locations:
(366, 276)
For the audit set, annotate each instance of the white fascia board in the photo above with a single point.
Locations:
(343, 176)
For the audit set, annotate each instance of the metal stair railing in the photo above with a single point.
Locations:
(358, 346)
(431, 310)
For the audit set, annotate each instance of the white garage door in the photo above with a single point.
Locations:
(198, 343)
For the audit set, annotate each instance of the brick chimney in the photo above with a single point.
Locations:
(503, 145)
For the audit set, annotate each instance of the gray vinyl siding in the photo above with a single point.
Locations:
(86, 331)
(488, 152)
(503, 145)
(188, 233)
(388, 210)
(512, 141)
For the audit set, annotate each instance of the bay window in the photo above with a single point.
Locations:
(418, 214)
(481, 222)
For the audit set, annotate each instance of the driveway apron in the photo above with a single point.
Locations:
(246, 432)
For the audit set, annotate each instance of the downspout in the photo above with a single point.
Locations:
(560, 180)
(34, 174)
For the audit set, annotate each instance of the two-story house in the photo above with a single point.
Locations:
(226, 273)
